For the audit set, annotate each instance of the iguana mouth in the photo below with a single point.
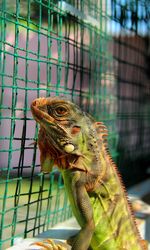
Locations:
(40, 112)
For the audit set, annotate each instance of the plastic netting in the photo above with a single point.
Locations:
(131, 50)
(77, 49)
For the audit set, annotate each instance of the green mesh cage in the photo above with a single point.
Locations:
(76, 49)
(131, 51)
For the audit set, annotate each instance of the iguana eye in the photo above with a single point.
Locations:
(61, 110)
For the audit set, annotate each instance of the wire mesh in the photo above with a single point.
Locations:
(47, 48)
(72, 48)
(131, 50)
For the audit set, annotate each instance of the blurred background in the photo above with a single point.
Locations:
(95, 53)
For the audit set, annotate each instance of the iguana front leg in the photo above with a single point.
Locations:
(82, 209)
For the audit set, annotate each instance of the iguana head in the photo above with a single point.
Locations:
(64, 127)
(67, 134)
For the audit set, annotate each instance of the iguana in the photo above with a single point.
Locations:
(72, 140)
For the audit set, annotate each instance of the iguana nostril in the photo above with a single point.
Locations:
(34, 103)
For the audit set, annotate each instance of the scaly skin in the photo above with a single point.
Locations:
(72, 140)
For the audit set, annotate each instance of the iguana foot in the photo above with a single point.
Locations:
(49, 244)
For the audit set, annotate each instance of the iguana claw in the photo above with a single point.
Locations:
(49, 244)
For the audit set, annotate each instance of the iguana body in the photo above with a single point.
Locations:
(72, 140)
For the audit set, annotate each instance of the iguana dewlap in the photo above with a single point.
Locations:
(72, 140)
